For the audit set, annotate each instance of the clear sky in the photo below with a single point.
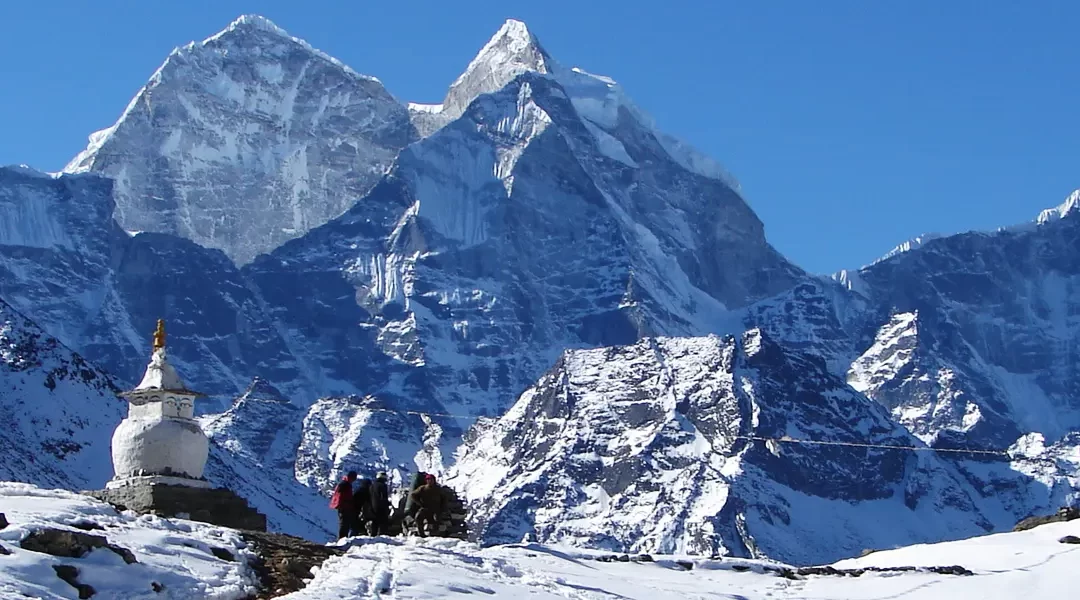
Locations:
(851, 124)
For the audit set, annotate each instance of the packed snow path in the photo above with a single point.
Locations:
(1006, 566)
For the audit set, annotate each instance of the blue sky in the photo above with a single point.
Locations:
(852, 125)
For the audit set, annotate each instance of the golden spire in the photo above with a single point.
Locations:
(159, 334)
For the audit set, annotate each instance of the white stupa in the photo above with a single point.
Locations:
(159, 442)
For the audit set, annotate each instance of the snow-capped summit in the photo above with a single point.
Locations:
(909, 245)
(513, 50)
(599, 100)
(245, 140)
(252, 21)
(1070, 207)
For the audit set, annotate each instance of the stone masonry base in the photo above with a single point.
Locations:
(218, 506)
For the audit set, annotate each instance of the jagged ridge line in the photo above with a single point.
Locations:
(784, 439)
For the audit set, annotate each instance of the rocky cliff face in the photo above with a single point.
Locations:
(245, 140)
(58, 245)
(66, 265)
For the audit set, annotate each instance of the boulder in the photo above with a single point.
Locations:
(1070, 539)
(222, 554)
(71, 544)
(70, 575)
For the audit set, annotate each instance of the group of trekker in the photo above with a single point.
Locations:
(366, 510)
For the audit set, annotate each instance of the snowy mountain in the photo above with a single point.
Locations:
(245, 140)
(509, 234)
(59, 410)
(391, 273)
(979, 335)
(184, 560)
(655, 447)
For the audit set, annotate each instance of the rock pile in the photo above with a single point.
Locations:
(284, 562)
(1065, 513)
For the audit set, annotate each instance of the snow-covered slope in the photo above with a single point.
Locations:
(179, 556)
(174, 558)
(650, 448)
(247, 139)
(185, 560)
(253, 451)
(58, 410)
(1005, 567)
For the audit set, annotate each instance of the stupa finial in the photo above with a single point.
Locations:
(159, 334)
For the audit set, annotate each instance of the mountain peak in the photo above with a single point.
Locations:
(909, 245)
(513, 45)
(261, 389)
(513, 50)
(1070, 206)
(252, 23)
(514, 30)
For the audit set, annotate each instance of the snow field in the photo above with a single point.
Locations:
(178, 555)
(174, 553)
(1006, 566)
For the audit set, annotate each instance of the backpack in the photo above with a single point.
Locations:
(339, 495)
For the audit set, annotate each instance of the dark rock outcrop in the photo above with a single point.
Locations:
(284, 561)
(71, 544)
(70, 575)
(1070, 539)
(1065, 513)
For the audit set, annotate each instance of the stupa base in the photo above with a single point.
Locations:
(116, 484)
(152, 495)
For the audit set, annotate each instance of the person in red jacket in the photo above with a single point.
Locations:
(342, 502)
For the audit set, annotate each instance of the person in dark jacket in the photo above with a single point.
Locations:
(429, 499)
(380, 506)
(362, 502)
(342, 502)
